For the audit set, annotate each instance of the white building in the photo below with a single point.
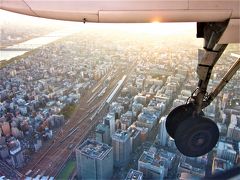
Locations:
(163, 135)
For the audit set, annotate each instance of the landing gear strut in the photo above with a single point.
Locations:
(195, 134)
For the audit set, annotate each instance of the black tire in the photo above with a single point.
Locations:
(178, 115)
(196, 136)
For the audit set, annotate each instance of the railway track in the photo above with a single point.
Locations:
(52, 159)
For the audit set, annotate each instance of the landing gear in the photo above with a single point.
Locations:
(195, 134)
(177, 116)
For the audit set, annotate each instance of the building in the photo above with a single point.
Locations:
(134, 175)
(126, 120)
(94, 160)
(163, 135)
(171, 143)
(226, 151)
(4, 153)
(178, 102)
(117, 109)
(135, 137)
(222, 129)
(210, 111)
(238, 156)
(103, 134)
(37, 142)
(16, 154)
(140, 99)
(147, 118)
(6, 129)
(220, 165)
(155, 163)
(151, 167)
(109, 120)
(185, 175)
(193, 166)
(143, 132)
(189, 169)
(234, 128)
(121, 148)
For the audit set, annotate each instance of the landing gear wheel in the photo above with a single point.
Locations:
(178, 115)
(196, 136)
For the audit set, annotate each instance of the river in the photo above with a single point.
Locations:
(21, 48)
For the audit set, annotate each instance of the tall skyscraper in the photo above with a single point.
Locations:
(103, 134)
(163, 136)
(135, 140)
(110, 121)
(121, 148)
(94, 160)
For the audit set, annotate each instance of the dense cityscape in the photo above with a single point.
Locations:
(94, 105)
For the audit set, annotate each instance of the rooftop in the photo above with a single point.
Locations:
(134, 175)
(134, 132)
(101, 128)
(94, 149)
(120, 135)
(226, 146)
(158, 158)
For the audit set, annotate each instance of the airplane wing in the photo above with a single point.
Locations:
(135, 11)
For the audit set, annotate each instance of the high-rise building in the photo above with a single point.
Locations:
(94, 160)
(135, 136)
(103, 134)
(109, 120)
(121, 148)
(134, 175)
(234, 128)
(163, 135)
(16, 154)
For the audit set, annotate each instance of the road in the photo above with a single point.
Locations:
(50, 160)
